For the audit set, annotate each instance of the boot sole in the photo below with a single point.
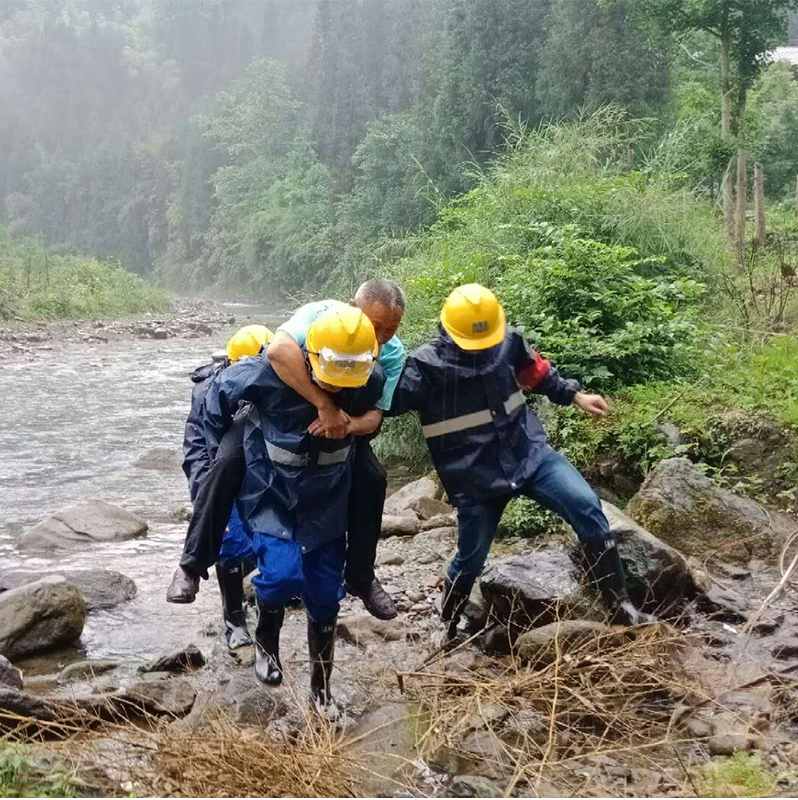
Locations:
(181, 600)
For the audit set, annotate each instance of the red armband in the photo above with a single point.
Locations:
(531, 377)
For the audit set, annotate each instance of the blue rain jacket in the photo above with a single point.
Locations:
(483, 438)
(196, 458)
(296, 485)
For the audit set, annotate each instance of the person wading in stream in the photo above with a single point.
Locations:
(488, 446)
(236, 556)
(383, 303)
(295, 498)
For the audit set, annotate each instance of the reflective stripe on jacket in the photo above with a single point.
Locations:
(484, 440)
(296, 485)
(196, 459)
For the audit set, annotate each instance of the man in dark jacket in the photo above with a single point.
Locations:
(236, 556)
(487, 445)
(295, 497)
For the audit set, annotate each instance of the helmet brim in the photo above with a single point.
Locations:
(342, 381)
(482, 343)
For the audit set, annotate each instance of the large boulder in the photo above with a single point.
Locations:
(658, 576)
(40, 616)
(101, 588)
(84, 523)
(685, 509)
(400, 503)
(527, 591)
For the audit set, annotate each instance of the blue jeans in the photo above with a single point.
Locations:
(556, 485)
(284, 571)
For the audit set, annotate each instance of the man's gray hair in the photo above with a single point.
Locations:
(381, 290)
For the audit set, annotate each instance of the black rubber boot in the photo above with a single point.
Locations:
(231, 585)
(321, 647)
(452, 604)
(607, 573)
(268, 668)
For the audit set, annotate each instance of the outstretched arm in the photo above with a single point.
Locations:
(288, 361)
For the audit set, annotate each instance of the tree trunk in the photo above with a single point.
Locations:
(725, 133)
(796, 194)
(759, 205)
(741, 180)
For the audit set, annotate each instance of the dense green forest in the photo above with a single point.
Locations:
(283, 144)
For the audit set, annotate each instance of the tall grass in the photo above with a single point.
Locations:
(71, 287)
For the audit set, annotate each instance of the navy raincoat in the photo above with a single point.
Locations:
(196, 458)
(484, 440)
(296, 485)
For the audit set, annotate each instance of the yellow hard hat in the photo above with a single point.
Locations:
(248, 341)
(473, 317)
(342, 347)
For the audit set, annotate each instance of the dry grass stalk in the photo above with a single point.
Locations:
(587, 701)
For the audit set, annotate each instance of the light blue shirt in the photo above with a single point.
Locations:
(391, 357)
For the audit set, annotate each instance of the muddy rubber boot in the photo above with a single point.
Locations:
(268, 668)
(231, 586)
(606, 571)
(321, 647)
(183, 588)
(452, 604)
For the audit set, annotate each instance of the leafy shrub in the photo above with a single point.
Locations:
(524, 517)
(740, 775)
(597, 317)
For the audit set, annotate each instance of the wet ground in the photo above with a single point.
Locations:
(75, 417)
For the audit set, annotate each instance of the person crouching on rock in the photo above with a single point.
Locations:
(236, 556)
(294, 499)
(488, 446)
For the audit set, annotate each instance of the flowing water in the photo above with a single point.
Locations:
(74, 420)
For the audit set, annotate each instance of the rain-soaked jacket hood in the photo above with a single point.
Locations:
(484, 440)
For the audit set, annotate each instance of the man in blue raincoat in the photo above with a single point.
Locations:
(488, 446)
(295, 497)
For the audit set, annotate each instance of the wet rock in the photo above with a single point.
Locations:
(399, 526)
(40, 616)
(498, 640)
(699, 728)
(400, 502)
(160, 333)
(174, 696)
(473, 786)
(258, 706)
(684, 508)
(428, 507)
(365, 630)
(15, 704)
(177, 661)
(724, 605)
(730, 743)
(440, 521)
(658, 576)
(85, 523)
(672, 434)
(390, 560)
(163, 459)
(101, 588)
(85, 670)
(787, 651)
(533, 589)
(540, 646)
(10, 676)
(183, 513)
(476, 611)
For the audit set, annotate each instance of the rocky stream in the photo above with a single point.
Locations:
(543, 698)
